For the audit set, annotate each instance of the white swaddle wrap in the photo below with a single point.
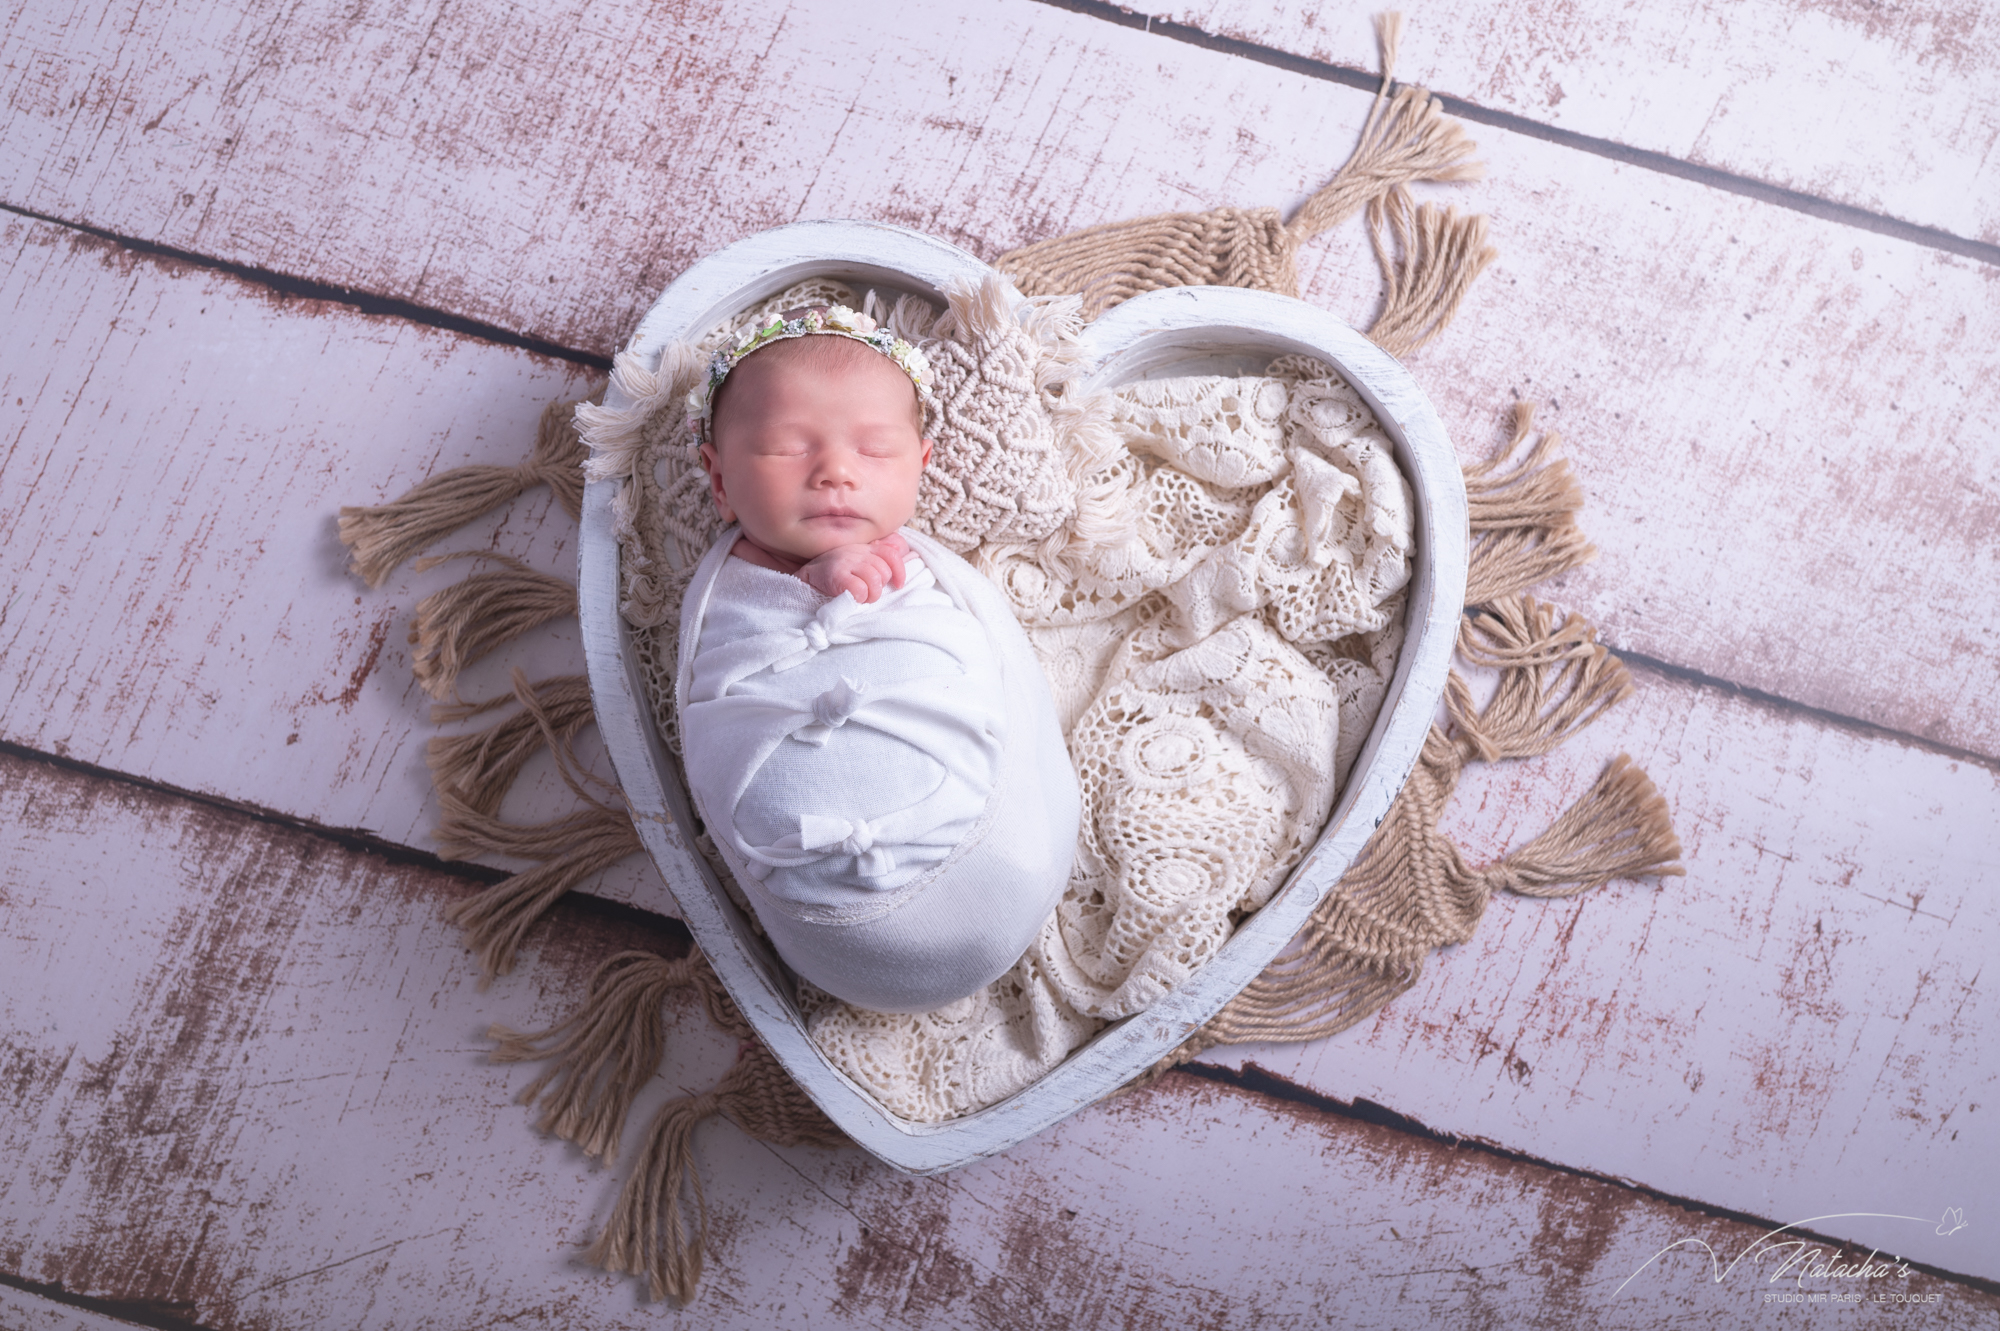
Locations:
(888, 782)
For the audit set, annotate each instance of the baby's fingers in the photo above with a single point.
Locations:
(893, 550)
(873, 573)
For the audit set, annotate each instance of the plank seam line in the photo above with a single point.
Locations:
(302, 288)
(1259, 1080)
(1728, 182)
(348, 838)
(158, 1314)
(1778, 702)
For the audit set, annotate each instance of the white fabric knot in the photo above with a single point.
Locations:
(826, 629)
(830, 711)
(845, 837)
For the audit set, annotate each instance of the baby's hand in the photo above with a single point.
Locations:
(861, 569)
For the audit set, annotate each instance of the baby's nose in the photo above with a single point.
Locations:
(834, 468)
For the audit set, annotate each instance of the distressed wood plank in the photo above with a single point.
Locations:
(176, 447)
(273, 1112)
(1889, 108)
(1793, 1029)
(1785, 424)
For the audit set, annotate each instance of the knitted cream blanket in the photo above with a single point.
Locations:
(1211, 573)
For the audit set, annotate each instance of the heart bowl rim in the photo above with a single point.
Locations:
(1160, 331)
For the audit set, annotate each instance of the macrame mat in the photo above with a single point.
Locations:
(1409, 892)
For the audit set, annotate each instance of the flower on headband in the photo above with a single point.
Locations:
(838, 321)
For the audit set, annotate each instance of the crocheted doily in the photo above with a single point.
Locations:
(1211, 571)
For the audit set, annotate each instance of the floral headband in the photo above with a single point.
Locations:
(837, 320)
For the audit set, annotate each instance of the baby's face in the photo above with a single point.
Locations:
(816, 446)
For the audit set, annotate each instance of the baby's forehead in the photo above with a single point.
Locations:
(858, 368)
(813, 352)
(861, 370)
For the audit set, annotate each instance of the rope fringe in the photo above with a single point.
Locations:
(1428, 263)
(647, 1233)
(383, 536)
(602, 1054)
(1406, 138)
(1619, 829)
(455, 627)
(1523, 511)
(479, 768)
(1555, 680)
(571, 849)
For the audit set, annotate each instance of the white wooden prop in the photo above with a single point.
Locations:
(1168, 332)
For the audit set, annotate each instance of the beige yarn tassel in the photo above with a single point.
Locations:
(479, 768)
(383, 536)
(647, 1233)
(1619, 829)
(571, 849)
(1426, 271)
(1523, 516)
(602, 1055)
(1555, 679)
(1405, 138)
(455, 627)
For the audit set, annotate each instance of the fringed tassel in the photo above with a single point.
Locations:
(1429, 257)
(1555, 679)
(1523, 513)
(1406, 138)
(1409, 890)
(478, 769)
(604, 1053)
(648, 1234)
(383, 536)
(1619, 829)
(571, 850)
(1109, 264)
(1309, 992)
(455, 627)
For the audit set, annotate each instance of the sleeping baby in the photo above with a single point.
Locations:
(867, 734)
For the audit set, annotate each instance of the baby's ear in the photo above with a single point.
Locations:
(924, 458)
(713, 466)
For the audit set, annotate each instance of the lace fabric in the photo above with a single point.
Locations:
(1218, 656)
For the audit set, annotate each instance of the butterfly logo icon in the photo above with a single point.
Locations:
(1954, 1220)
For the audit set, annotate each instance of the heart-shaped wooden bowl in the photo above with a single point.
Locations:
(1188, 330)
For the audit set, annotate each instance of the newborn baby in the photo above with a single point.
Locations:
(867, 734)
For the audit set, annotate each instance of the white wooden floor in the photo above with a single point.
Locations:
(256, 265)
